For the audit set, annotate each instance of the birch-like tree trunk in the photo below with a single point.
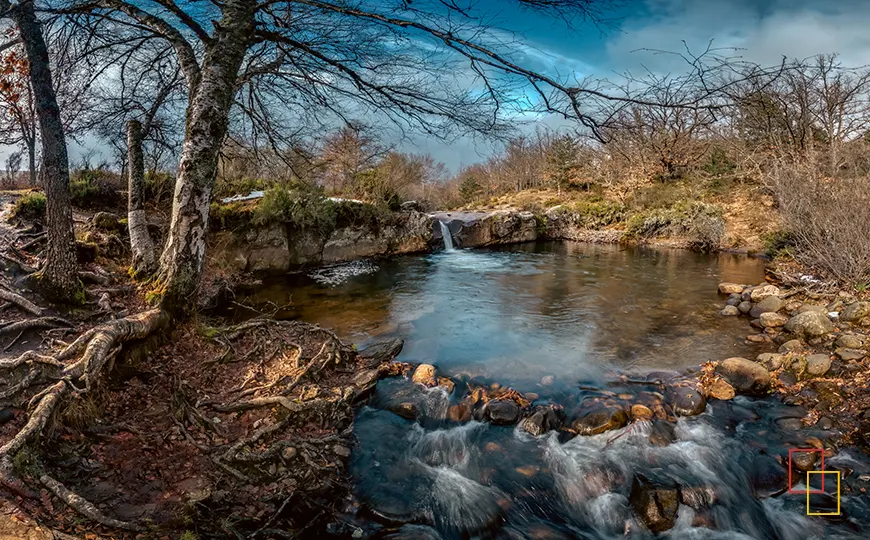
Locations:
(144, 259)
(207, 121)
(58, 279)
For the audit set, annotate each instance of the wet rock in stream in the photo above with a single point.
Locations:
(542, 420)
(746, 376)
(502, 412)
(598, 418)
(655, 503)
(687, 401)
(767, 476)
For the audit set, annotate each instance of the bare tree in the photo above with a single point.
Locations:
(58, 278)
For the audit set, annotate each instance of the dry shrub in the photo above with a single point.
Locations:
(828, 220)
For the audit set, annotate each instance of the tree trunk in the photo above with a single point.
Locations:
(31, 159)
(59, 277)
(207, 121)
(144, 260)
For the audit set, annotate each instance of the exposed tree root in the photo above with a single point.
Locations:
(97, 347)
(40, 323)
(20, 301)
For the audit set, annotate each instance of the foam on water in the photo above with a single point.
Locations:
(336, 275)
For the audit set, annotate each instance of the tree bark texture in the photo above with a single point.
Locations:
(207, 121)
(59, 278)
(144, 259)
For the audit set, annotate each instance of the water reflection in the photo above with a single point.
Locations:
(564, 309)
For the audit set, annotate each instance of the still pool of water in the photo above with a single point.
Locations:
(581, 315)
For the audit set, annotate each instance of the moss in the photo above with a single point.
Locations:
(30, 206)
(26, 462)
(298, 208)
(188, 535)
(779, 245)
(231, 216)
(699, 223)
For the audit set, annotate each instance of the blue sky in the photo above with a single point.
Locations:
(766, 30)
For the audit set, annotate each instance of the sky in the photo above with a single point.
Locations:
(763, 30)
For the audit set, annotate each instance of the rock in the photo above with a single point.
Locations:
(812, 307)
(502, 412)
(818, 364)
(459, 413)
(729, 311)
(655, 504)
(855, 312)
(446, 384)
(383, 351)
(289, 453)
(730, 288)
(641, 412)
(406, 410)
(771, 304)
(342, 451)
(662, 434)
(763, 291)
(734, 300)
(757, 338)
(698, 497)
(106, 221)
(805, 461)
(548, 380)
(425, 375)
(825, 423)
(773, 320)
(6, 415)
(746, 376)
(771, 361)
(721, 390)
(850, 341)
(745, 307)
(600, 418)
(268, 250)
(850, 354)
(687, 401)
(810, 324)
(767, 477)
(364, 383)
(407, 206)
(541, 421)
(790, 346)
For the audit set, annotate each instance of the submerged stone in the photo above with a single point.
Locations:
(729, 311)
(406, 410)
(767, 476)
(541, 421)
(662, 433)
(502, 412)
(655, 504)
(600, 418)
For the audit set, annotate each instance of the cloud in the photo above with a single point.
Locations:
(766, 30)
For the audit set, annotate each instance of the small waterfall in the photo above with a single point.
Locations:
(447, 236)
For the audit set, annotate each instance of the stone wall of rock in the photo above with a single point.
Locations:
(477, 229)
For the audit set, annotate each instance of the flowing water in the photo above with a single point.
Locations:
(568, 322)
(447, 236)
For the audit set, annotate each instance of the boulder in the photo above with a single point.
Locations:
(855, 312)
(745, 307)
(599, 418)
(268, 250)
(425, 375)
(406, 410)
(687, 401)
(810, 324)
(364, 383)
(746, 376)
(729, 311)
(542, 420)
(846, 354)
(106, 221)
(812, 307)
(459, 413)
(773, 320)
(502, 412)
(818, 364)
(382, 351)
(730, 288)
(655, 503)
(771, 304)
(763, 291)
(722, 390)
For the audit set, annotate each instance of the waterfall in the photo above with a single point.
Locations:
(445, 234)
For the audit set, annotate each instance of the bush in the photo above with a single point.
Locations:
(227, 187)
(95, 189)
(779, 245)
(598, 213)
(159, 187)
(30, 206)
(828, 221)
(300, 208)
